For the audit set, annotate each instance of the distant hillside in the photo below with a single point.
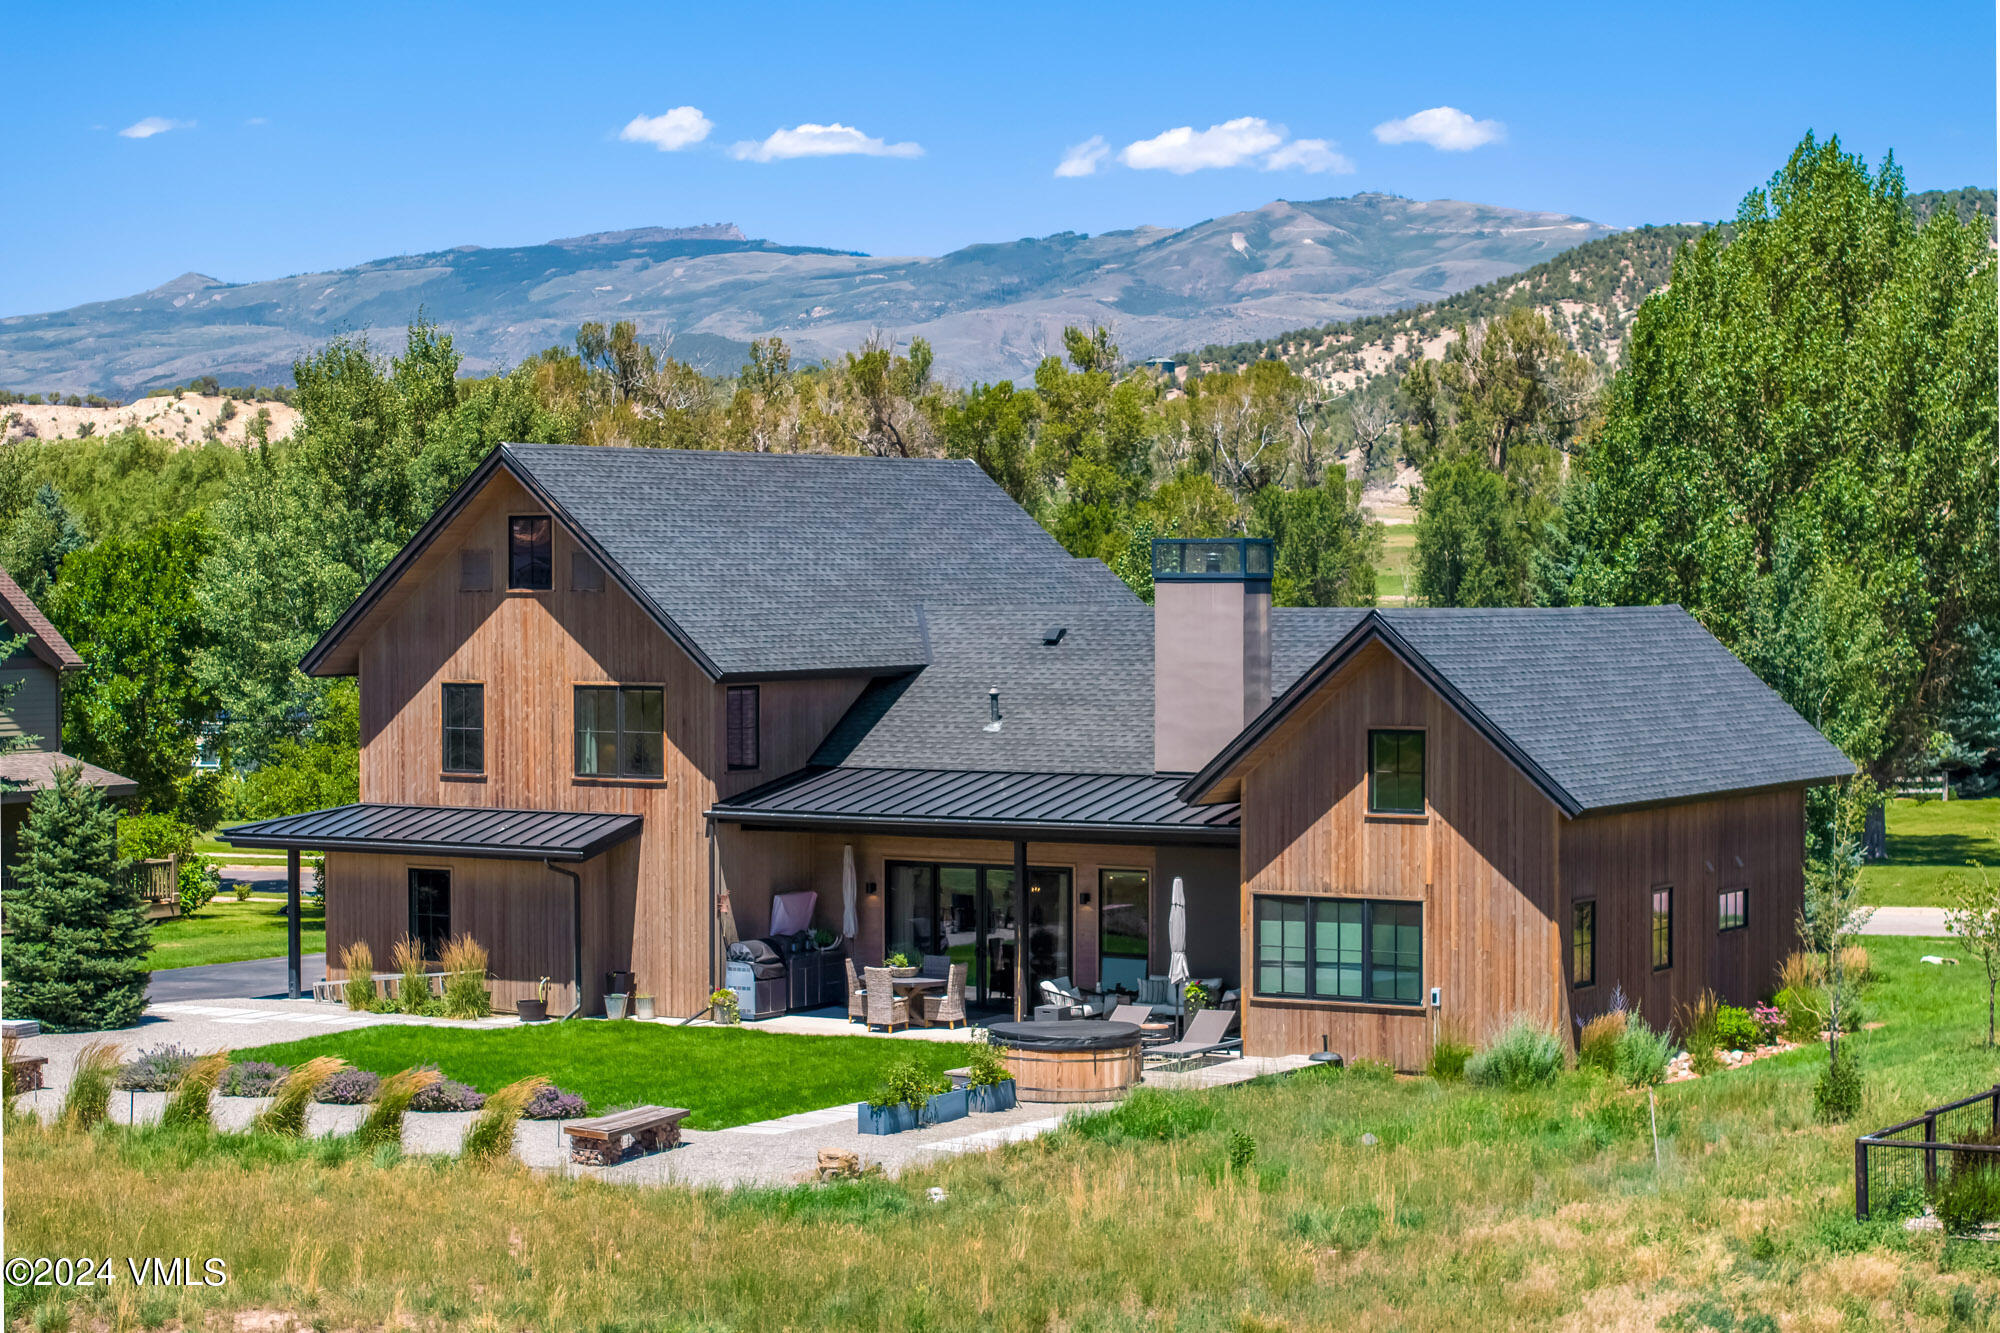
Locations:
(990, 311)
(1590, 293)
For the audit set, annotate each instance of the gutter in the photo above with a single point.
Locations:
(575, 933)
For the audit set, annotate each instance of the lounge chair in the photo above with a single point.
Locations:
(1060, 995)
(1132, 1013)
(949, 1008)
(1207, 1034)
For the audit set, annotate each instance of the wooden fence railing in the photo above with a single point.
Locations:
(157, 881)
(1896, 1168)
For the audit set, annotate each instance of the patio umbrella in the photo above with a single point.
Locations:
(1177, 964)
(849, 926)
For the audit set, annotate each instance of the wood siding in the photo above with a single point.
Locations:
(648, 905)
(35, 709)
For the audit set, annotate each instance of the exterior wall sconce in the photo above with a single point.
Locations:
(871, 888)
(1083, 898)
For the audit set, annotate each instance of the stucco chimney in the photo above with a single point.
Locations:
(1211, 646)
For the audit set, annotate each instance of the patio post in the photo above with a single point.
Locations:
(1022, 1006)
(292, 921)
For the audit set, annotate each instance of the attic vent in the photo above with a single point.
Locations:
(475, 570)
(1054, 634)
(993, 707)
(585, 574)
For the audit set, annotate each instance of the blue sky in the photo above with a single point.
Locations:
(293, 138)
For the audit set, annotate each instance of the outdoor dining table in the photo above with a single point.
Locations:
(913, 987)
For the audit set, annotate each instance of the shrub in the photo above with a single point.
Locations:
(906, 1083)
(1968, 1200)
(1242, 1150)
(286, 1115)
(1735, 1029)
(189, 1104)
(252, 1078)
(1597, 1046)
(1449, 1054)
(1855, 962)
(552, 1103)
(1698, 1032)
(1524, 1055)
(1801, 1011)
(350, 1087)
(359, 962)
(88, 1102)
(384, 1122)
(491, 1136)
(985, 1067)
(199, 883)
(156, 1070)
(413, 987)
(1150, 1113)
(155, 837)
(241, 893)
(1770, 1021)
(1837, 1093)
(1640, 1057)
(463, 961)
(445, 1094)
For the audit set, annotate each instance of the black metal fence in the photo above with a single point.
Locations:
(1898, 1170)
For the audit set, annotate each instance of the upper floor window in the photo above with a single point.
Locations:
(1396, 772)
(1732, 909)
(1583, 942)
(1663, 927)
(1365, 949)
(620, 731)
(530, 561)
(464, 707)
(742, 726)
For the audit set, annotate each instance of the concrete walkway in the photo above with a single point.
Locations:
(1927, 921)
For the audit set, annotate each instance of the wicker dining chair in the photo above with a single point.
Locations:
(857, 999)
(885, 1008)
(948, 1008)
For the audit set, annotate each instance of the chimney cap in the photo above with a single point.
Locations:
(1213, 559)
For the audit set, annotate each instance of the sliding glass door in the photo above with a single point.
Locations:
(967, 913)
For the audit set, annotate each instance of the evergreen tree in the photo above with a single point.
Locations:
(76, 956)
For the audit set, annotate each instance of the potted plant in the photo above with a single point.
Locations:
(722, 1006)
(989, 1087)
(537, 1009)
(909, 1097)
(823, 939)
(1197, 997)
(614, 1004)
(642, 1005)
(899, 965)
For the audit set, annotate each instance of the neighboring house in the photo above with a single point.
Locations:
(31, 717)
(614, 700)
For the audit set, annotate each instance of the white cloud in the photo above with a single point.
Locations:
(1310, 155)
(676, 129)
(809, 140)
(1086, 159)
(1442, 127)
(152, 125)
(1230, 144)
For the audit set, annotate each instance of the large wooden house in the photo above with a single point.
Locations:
(614, 701)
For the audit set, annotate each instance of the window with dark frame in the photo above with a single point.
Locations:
(1583, 942)
(1663, 928)
(1396, 772)
(742, 726)
(464, 715)
(1124, 926)
(430, 908)
(530, 555)
(1368, 950)
(620, 731)
(1732, 909)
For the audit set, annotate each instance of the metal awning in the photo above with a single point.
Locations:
(1097, 807)
(433, 830)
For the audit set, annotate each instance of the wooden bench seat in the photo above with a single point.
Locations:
(602, 1141)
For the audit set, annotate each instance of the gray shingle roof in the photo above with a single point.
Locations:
(1615, 705)
(773, 563)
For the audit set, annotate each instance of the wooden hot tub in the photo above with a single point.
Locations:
(1080, 1061)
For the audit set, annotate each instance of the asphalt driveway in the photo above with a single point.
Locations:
(256, 979)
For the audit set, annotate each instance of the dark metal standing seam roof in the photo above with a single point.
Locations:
(557, 835)
(1091, 806)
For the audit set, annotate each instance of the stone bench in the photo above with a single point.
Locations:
(602, 1141)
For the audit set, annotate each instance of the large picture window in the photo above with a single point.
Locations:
(430, 908)
(1396, 772)
(742, 726)
(1583, 942)
(1369, 950)
(1124, 926)
(464, 707)
(1663, 927)
(620, 731)
(530, 558)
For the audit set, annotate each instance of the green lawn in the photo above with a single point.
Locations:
(1927, 841)
(227, 931)
(212, 846)
(724, 1076)
(1392, 576)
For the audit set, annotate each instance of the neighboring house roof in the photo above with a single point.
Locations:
(1083, 704)
(1601, 706)
(433, 830)
(24, 617)
(25, 772)
(782, 564)
(1096, 806)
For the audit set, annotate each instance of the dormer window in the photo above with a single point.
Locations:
(1395, 772)
(530, 559)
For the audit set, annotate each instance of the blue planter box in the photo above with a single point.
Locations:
(993, 1097)
(953, 1105)
(945, 1106)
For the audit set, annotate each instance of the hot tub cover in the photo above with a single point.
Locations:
(1065, 1035)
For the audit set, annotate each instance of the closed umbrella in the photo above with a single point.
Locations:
(849, 925)
(1177, 964)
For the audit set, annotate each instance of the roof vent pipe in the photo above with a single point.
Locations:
(993, 708)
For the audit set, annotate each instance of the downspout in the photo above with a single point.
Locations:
(575, 934)
(714, 913)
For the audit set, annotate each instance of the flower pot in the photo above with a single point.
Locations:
(642, 1006)
(532, 1011)
(902, 971)
(719, 1014)
(993, 1096)
(614, 1005)
(946, 1106)
(885, 1119)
